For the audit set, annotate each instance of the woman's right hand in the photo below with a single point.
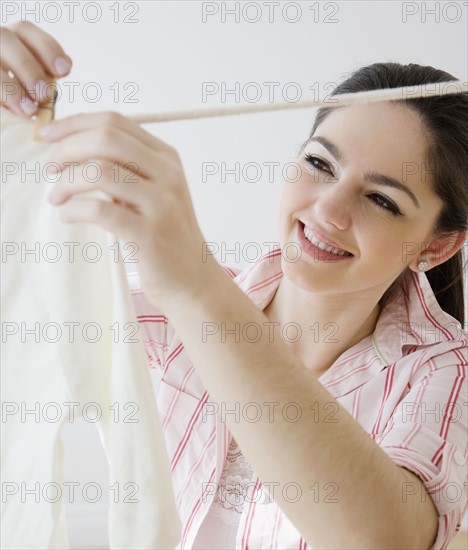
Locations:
(33, 57)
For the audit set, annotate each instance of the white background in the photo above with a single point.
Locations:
(168, 52)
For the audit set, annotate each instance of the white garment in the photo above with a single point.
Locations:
(60, 369)
(219, 527)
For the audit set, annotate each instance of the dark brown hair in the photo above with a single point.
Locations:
(445, 120)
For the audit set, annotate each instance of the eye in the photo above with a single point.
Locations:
(386, 204)
(380, 200)
(316, 162)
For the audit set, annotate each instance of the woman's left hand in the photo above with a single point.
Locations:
(151, 203)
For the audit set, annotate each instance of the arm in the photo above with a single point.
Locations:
(369, 503)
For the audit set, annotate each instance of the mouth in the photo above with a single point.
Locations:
(327, 246)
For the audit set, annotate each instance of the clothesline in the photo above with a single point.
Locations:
(46, 111)
(341, 100)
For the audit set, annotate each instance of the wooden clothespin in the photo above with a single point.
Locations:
(46, 111)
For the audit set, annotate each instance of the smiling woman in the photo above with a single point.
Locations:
(439, 169)
(373, 210)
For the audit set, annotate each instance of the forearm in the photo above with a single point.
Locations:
(350, 490)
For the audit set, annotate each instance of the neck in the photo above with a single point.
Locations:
(329, 325)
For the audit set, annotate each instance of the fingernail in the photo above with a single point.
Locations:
(28, 106)
(62, 65)
(46, 130)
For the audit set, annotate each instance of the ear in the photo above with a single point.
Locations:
(439, 250)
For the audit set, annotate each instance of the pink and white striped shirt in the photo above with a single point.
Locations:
(406, 385)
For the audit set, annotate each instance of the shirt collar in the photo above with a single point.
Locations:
(411, 318)
(414, 318)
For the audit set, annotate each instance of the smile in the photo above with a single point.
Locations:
(322, 245)
(318, 249)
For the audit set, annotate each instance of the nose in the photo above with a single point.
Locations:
(333, 205)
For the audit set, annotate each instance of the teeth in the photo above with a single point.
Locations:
(323, 246)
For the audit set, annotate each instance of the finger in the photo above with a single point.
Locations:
(45, 48)
(17, 58)
(119, 220)
(82, 121)
(100, 175)
(14, 97)
(109, 143)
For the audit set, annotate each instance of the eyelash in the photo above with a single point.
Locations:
(392, 208)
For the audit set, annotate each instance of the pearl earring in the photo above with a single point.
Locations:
(422, 266)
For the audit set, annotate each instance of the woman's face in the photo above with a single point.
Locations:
(340, 196)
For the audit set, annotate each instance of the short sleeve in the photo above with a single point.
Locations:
(427, 434)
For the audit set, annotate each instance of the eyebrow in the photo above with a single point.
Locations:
(372, 176)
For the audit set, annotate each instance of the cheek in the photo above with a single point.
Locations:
(383, 247)
(294, 197)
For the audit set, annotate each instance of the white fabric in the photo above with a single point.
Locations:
(106, 372)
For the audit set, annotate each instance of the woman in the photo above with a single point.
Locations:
(262, 454)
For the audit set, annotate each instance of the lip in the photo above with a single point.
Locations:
(324, 238)
(316, 253)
